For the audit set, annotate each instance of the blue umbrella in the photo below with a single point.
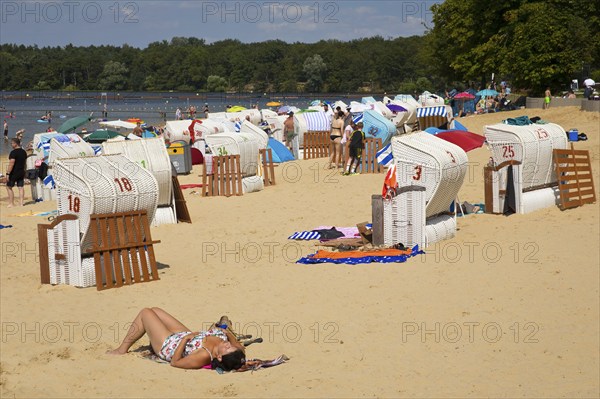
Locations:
(487, 93)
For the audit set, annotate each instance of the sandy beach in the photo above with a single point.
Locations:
(508, 308)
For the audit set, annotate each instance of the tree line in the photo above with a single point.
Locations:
(533, 44)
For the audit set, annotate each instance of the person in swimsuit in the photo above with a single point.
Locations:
(547, 98)
(337, 127)
(175, 343)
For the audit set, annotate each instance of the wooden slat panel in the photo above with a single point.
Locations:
(134, 260)
(108, 270)
(124, 253)
(575, 180)
(183, 215)
(316, 144)
(116, 254)
(140, 250)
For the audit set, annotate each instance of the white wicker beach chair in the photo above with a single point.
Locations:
(535, 177)
(439, 166)
(102, 184)
(317, 121)
(69, 149)
(434, 116)
(261, 136)
(243, 144)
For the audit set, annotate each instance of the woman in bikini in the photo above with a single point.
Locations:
(337, 127)
(175, 343)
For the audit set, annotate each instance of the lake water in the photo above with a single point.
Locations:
(28, 107)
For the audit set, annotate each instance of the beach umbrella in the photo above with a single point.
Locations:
(315, 102)
(101, 135)
(487, 93)
(589, 82)
(464, 96)
(466, 140)
(287, 108)
(73, 123)
(119, 124)
(396, 108)
(236, 108)
(273, 104)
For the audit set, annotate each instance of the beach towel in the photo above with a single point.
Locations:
(30, 213)
(49, 182)
(251, 364)
(305, 235)
(359, 257)
(348, 232)
(385, 156)
(518, 121)
(192, 185)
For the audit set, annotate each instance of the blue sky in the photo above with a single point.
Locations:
(137, 23)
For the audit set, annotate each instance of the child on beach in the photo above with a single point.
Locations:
(357, 143)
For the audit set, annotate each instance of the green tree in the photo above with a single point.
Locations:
(314, 68)
(113, 76)
(537, 43)
(216, 83)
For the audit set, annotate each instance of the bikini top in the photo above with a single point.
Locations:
(196, 342)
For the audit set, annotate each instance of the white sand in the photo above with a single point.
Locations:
(350, 331)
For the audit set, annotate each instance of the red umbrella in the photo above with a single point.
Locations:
(464, 95)
(466, 140)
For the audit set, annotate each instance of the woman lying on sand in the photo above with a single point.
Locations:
(175, 343)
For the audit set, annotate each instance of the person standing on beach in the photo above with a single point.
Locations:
(16, 172)
(337, 130)
(547, 98)
(5, 130)
(178, 114)
(205, 110)
(290, 135)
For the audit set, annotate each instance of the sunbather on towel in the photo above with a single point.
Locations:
(177, 344)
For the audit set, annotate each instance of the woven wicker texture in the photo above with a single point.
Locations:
(404, 219)
(261, 136)
(64, 240)
(150, 154)
(103, 184)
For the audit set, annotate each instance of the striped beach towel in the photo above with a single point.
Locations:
(305, 235)
(49, 182)
(238, 126)
(385, 156)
